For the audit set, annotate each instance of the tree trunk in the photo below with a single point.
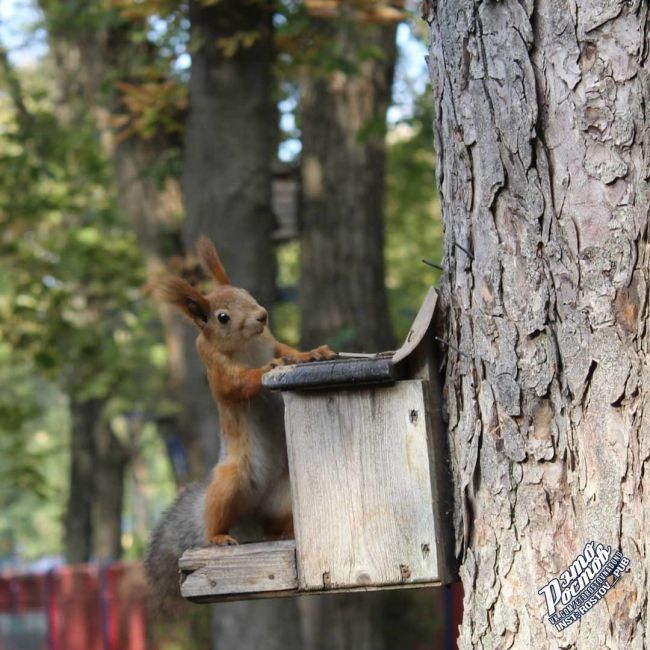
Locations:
(109, 471)
(150, 205)
(85, 61)
(343, 299)
(227, 194)
(226, 170)
(342, 622)
(229, 142)
(543, 144)
(84, 415)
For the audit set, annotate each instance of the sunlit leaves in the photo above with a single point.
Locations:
(365, 11)
(143, 10)
(230, 45)
(152, 107)
(71, 296)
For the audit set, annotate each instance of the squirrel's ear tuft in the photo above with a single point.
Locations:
(183, 295)
(210, 260)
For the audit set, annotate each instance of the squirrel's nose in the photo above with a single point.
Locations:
(262, 317)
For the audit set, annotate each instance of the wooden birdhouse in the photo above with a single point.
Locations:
(371, 492)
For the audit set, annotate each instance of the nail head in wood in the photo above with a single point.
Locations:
(405, 572)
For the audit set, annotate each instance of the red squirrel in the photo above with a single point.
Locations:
(236, 347)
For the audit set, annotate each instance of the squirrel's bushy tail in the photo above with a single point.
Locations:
(180, 527)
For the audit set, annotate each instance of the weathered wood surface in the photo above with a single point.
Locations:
(227, 573)
(421, 361)
(335, 373)
(419, 328)
(247, 569)
(361, 487)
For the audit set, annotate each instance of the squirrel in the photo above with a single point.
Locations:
(251, 478)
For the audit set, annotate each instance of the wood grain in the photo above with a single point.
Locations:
(361, 487)
(423, 363)
(246, 569)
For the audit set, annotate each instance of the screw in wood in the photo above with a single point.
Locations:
(327, 579)
(405, 571)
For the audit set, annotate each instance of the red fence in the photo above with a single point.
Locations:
(87, 607)
(74, 608)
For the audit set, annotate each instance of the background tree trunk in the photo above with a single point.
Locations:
(109, 470)
(343, 298)
(84, 415)
(227, 193)
(543, 144)
(85, 60)
(227, 164)
(150, 205)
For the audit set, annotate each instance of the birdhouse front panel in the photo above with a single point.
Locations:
(361, 486)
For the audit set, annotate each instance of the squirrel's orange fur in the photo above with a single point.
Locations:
(237, 348)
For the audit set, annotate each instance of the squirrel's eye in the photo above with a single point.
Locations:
(222, 317)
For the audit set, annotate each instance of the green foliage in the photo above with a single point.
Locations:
(413, 222)
(286, 318)
(71, 297)
(33, 446)
(74, 319)
(306, 44)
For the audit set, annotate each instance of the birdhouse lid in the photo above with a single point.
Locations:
(350, 369)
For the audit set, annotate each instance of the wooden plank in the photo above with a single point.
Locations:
(334, 373)
(259, 595)
(361, 487)
(423, 363)
(234, 570)
(419, 327)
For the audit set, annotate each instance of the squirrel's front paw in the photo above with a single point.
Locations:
(321, 353)
(274, 363)
(223, 540)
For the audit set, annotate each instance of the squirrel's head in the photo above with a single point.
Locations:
(227, 317)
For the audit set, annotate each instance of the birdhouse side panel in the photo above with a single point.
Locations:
(361, 487)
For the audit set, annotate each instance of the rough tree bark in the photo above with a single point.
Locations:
(343, 120)
(227, 192)
(543, 145)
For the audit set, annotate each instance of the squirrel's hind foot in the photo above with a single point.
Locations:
(223, 540)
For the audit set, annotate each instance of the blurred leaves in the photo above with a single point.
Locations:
(413, 221)
(240, 40)
(151, 107)
(74, 320)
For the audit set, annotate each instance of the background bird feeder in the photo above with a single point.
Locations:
(370, 487)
